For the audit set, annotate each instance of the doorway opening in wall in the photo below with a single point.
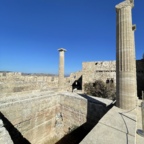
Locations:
(77, 84)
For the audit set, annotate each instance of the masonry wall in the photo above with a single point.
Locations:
(78, 110)
(100, 70)
(106, 71)
(30, 118)
(75, 76)
(39, 116)
(15, 82)
(74, 111)
(69, 81)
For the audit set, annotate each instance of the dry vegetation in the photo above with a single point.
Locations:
(100, 89)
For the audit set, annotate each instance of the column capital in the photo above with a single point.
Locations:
(62, 49)
(125, 4)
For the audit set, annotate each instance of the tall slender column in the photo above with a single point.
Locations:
(61, 67)
(125, 57)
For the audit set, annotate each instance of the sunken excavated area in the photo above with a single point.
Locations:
(48, 117)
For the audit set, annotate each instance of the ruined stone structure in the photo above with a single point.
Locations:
(33, 110)
(17, 82)
(61, 68)
(125, 59)
(38, 116)
(99, 70)
(106, 71)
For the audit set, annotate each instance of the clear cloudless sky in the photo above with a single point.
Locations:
(31, 31)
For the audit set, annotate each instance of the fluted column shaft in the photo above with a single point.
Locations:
(125, 58)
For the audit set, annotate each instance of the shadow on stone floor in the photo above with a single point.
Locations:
(76, 136)
(15, 135)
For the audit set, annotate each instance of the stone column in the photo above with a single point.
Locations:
(61, 67)
(125, 57)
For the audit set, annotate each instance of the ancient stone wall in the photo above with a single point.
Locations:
(75, 76)
(106, 71)
(30, 117)
(74, 111)
(15, 82)
(38, 116)
(78, 110)
(99, 70)
(71, 79)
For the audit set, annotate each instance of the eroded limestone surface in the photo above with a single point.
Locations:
(16, 82)
(39, 116)
(116, 127)
(4, 135)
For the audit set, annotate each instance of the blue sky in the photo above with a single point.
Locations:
(31, 31)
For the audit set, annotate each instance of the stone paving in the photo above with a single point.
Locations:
(117, 127)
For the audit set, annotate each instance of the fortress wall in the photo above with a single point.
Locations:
(11, 82)
(103, 70)
(32, 115)
(106, 70)
(75, 76)
(71, 79)
(27, 78)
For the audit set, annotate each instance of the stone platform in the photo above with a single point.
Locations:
(117, 127)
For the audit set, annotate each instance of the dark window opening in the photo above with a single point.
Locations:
(107, 81)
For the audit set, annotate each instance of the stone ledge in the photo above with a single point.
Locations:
(97, 100)
(113, 128)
